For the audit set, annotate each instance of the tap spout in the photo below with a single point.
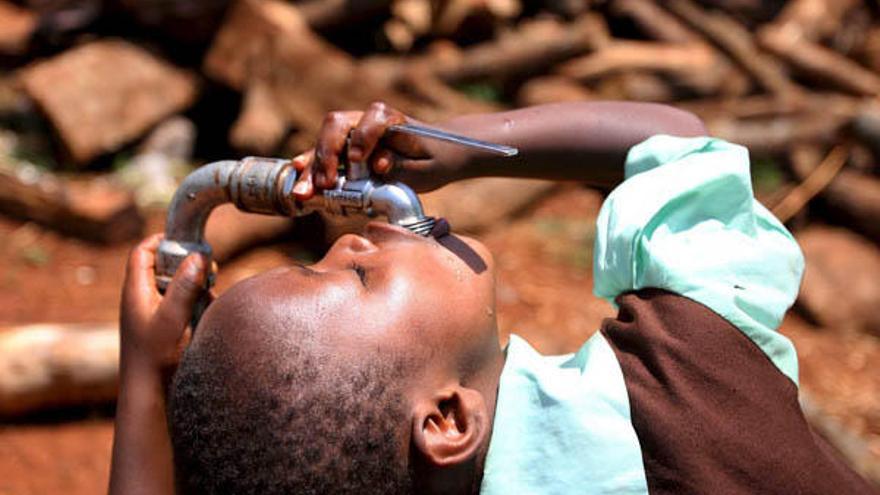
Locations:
(401, 205)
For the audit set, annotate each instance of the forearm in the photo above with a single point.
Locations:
(141, 445)
(585, 141)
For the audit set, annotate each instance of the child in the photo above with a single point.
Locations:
(378, 369)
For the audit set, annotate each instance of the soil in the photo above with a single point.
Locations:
(544, 294)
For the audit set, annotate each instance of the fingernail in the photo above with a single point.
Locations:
(301, 188)
(383, 164)
(355, 154)
(194, 268)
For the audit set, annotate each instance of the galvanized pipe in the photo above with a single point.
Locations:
(265, 185)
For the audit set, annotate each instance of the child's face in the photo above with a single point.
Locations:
(388, 291)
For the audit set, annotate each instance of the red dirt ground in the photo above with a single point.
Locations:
(544, 294)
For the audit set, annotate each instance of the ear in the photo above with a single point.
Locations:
(450, 428)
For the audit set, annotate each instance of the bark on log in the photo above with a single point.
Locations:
(327, 14)
(777, 135)
(813, 184)
(636, 86)
(303, 77)
(534, 46)
(769, 105)
(737, 42)
(260, 126)
(104, 94)
(654, 21)
(56, 365)
(551, 89)
(854, 197)
(95, 209)
(823, 64)
(814, 19)
(452, 16)
(18, 25)
(661, 25)
(696, 64)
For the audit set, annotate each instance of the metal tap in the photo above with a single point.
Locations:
(265, 185)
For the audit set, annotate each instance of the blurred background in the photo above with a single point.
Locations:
(106, 105)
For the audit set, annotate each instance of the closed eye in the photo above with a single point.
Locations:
(361, 273)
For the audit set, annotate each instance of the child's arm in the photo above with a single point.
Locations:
(585, 141)
(152, 334)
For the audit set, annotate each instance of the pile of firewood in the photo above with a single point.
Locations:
(787, 79)
(94, 83)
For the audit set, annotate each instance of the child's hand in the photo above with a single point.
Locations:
(153, 328)
(400, 156)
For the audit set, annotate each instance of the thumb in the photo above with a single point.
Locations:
(184, 290)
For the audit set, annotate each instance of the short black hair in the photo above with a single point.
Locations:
(293, 423)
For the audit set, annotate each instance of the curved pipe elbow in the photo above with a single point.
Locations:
(398, 202)
(195, 199)
(198, 195)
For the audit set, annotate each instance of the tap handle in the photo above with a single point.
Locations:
(352, 171)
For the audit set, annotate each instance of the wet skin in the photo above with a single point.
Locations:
(387, 291)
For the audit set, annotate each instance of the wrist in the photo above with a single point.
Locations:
(136, 366)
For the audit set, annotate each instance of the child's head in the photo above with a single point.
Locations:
(373, 371)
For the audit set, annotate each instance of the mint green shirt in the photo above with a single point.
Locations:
(684, 220)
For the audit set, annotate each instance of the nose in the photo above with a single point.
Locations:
(354, 244)
(344, 251)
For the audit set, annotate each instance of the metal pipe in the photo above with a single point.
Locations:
(251, 184)
(265, 185)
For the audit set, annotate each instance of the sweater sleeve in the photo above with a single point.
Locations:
(685, 220)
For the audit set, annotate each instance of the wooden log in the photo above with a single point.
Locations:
(635, 86)
(736, 41)
(415, 14)
(267, 44)
(656, 22)
(452, 16)
(694, 64)
(778, 134)
(813, 19)
(18, 25)
(96, 209)
(399, 34)
(770, 105)
(821, 63)
(568, 8)
(812, 185)
(426, 87)
(534, 46)
(57, 365)
(260, 126)
(660, 25)
(853, 197)
(328, 14)
(104, 94)
(869, 50)
(551, 89)
(866, 125)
